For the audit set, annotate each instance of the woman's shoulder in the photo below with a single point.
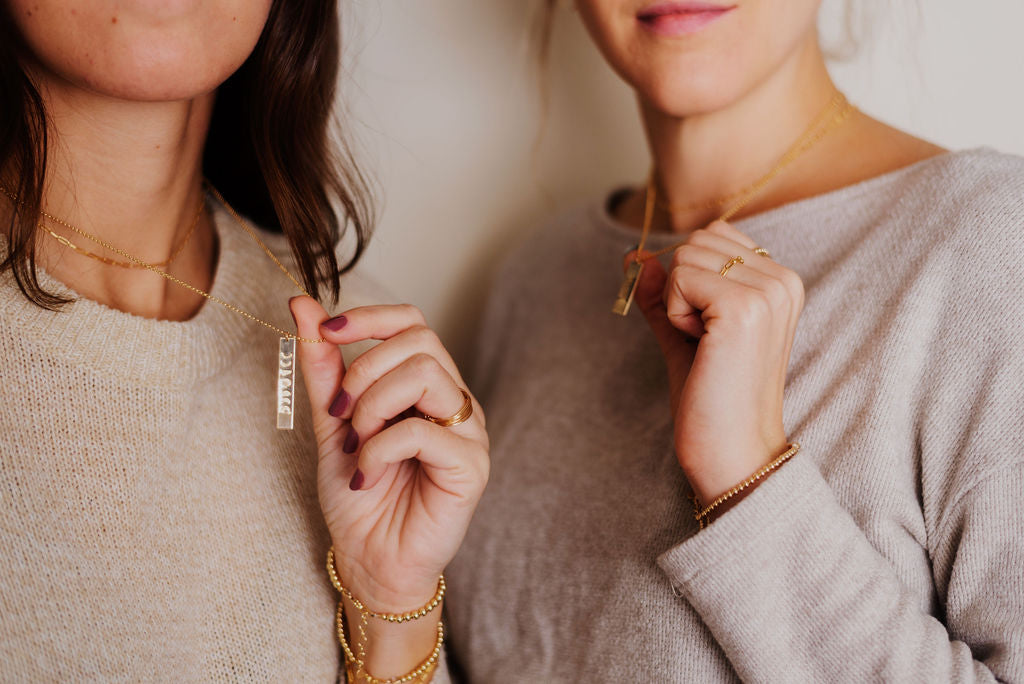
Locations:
(979, 190)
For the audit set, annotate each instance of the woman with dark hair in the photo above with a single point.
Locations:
(650, 517)
(160, 515)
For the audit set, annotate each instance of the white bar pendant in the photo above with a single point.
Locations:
(286, 384)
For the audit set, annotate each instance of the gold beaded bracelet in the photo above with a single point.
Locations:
(355, 663)
(389, 617)
(701, 514)
(355, 666)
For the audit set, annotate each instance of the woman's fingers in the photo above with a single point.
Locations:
(371, 323)
(455, 465)
(420, 382)
(373, 364)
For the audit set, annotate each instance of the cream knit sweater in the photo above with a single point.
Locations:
(155, 525)
(890, 549)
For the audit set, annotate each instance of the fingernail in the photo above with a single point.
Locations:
(339, 404)
(356, 483)
(351, 442)
(334, 324)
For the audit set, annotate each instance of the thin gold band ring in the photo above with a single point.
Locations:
(460, 416)
(763, 252)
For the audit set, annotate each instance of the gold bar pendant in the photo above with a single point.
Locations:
(628, 288)
(286, 384)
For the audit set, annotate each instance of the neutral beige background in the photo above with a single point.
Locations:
(444, 106)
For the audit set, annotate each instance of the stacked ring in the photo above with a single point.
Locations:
(460, 416)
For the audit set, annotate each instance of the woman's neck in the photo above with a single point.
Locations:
(702, 158)
(129, 173)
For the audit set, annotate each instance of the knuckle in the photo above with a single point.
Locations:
(359, 373)
(750, 309)
(795, 284)
(423, 336)
(777, 292)
(686, 254)
(701, 237)
(413, 313)
(423, 365)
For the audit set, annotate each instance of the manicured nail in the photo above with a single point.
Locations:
(339, 404)
(334, 324)
(351, 442)
(356, 483)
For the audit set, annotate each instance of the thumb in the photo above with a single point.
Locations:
(675, 347)
(321, 363)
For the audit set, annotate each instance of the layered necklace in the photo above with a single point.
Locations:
(831, 117)
(286, 343)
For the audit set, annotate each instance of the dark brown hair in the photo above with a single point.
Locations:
(269, 149)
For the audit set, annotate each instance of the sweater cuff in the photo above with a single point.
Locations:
(795, 500)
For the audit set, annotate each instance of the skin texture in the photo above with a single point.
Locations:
(720, 107)
(143, 51)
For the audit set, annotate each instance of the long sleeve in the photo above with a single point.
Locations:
(792, 590)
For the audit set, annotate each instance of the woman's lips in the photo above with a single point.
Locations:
(681, 18)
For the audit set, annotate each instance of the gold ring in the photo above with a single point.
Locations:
(460, 416)
(763, 252)
(729, 264)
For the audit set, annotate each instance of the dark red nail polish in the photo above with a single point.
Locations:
(339, 404)
(334, 324)
(351, 442)
(356, 483)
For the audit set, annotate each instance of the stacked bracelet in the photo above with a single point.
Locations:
(355, 663)
(701, 514)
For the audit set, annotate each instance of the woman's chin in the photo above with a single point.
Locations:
(680, 98)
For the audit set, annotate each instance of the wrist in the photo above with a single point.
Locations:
(382, 645)
(406, 595)
(706, 511)
(713, 473)
(389, 649)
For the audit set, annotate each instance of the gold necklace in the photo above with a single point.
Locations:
(286, 343)
(835, 113)
(114, 262)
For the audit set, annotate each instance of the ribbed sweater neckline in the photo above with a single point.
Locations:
(146, 351)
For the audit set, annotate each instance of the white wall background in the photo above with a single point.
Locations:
(444, 107)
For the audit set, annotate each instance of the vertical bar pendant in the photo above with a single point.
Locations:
(628, 288)
(286, 384)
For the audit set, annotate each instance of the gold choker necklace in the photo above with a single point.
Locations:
(286, 343)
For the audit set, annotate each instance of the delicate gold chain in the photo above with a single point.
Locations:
(701, 514)
(835, 113)
(139, 263)
(356, 666)
(114, 262)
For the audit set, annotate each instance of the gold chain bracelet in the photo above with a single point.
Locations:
(701, 514)
(355, 663)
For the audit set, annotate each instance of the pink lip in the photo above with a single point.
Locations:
(681, 18)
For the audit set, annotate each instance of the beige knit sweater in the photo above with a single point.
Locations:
(155, 525)
(890, 549)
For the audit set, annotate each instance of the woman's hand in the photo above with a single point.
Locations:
(397, 492)
(726, 342)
